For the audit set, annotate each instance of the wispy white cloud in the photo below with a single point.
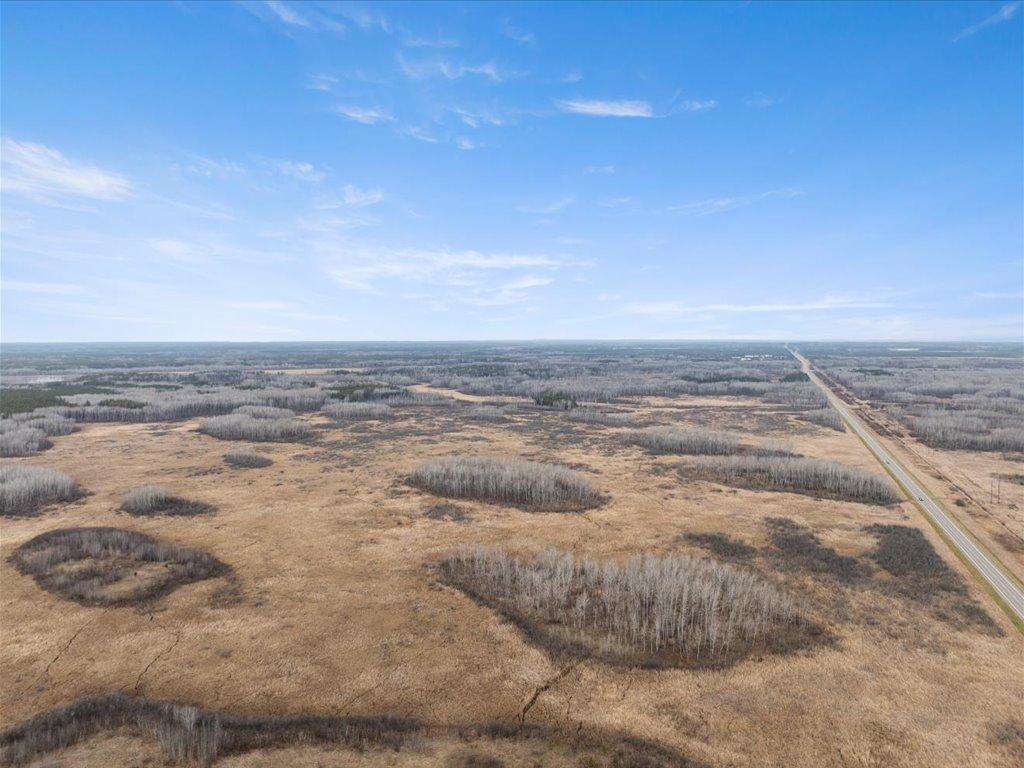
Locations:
(1004, 14)
(517, 34)
(722, 204)
(476, 117)
(262, 306)
(616, 202)
(321, 82)
(512, 292)
(606, 108)
(413, 41)
(547, 207)
(299, 170)
(45, 175)
(364, 115)
(997, 295)
(760, 101)
(608, 168)
(427, 68)
(287, 14)
(53, 289)
(466, 143)
(695, 105)
(314, 18)
(213, 168)
(354, 197)
(364, 17)
(827, 303)
(573, 76)
(361, 268)
(420, 134)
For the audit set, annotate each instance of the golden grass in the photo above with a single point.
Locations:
(338, 612)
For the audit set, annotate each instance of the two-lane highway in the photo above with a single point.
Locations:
(1009, 590)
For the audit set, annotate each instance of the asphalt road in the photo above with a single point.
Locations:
(1009, 589)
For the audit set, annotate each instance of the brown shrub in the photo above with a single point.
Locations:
(110, 566)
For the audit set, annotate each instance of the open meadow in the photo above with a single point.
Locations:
(495, 555)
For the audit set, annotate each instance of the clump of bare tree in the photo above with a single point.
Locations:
(656, 610)
(24, 489)
(817, 477)
(685, 441)
(23, 441)
(109, 566)
(265, 412)
(158, 500)
(240, 426)
(503, 480)
(353, 411)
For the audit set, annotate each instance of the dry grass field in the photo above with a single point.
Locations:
(333, 604)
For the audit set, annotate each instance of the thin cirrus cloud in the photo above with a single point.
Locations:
(287, 14)
(606, 107)
(722, 204)
(676, 308)
(1004, 14)
(299, 170)
(261, 306)
(49, 289)
(517, 34)
(547, 208)
(354, 197)
(310, 17)
(319, 81)
(362, 269)
(696, 105)
(427, 68)
(45, 175)
(364, 115)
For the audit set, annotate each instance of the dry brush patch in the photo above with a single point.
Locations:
(599, 416)
(815, 477)
(920, 574)
(824, 417)
(189, 735)
(241, 426)
(722, 545)
(796, 546)
(247, 458)
(25, 489)
(158, 500)
(485, 413)
(502, 480)
(110, 566)
(648, 611)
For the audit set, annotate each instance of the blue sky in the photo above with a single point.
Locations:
(334, 171)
